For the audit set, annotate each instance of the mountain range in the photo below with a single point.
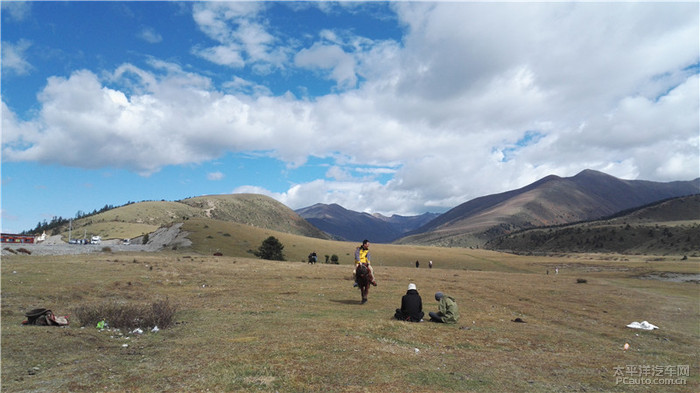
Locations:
(214, 221)
(343, 224)
(552, 200)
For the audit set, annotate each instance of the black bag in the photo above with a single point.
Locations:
(43, 317)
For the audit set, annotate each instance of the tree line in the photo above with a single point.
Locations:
(55, 224)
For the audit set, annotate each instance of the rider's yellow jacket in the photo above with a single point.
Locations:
(361, 256)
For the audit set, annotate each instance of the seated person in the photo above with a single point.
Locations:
(411, 306)
(447, 310)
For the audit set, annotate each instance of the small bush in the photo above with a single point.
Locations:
(127, 315)
(10, 250)
(25, 251)
(106, 249)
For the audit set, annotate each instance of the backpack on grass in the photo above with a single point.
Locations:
(44, 317)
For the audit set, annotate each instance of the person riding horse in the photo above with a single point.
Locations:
(363, 280)
(362, 256)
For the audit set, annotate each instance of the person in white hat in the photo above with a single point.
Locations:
(411, 306)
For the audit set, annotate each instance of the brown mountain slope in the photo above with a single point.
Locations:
(256, 210)
(670, 227)
(550, 201)
(140, 218)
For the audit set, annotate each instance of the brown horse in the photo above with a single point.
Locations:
(363, 280)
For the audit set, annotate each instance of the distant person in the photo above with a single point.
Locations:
(417, 264)
(430, 264)
(447, 309)
(411, 306)
(362, 256)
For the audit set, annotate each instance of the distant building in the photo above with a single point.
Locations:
(17, 239)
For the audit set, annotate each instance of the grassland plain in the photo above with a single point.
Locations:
(251, 325)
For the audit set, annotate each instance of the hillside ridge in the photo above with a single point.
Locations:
(670, 226)
(551, 200)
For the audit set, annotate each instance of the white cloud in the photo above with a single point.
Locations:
(444, 114)
(150, 35)
(14, 58)
(242, 37)
(341, 64)
(215, 176)
(16, 134)
(17, 10)
(228, 55)
(239, 85)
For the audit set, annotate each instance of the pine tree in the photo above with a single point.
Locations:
(271, 249)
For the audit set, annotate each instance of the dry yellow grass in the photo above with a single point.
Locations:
(251, 325)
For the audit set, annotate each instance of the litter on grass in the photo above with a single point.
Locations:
(644, 325)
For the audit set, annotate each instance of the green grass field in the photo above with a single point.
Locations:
(245, 325)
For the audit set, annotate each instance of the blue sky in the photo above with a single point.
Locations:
(392, 108)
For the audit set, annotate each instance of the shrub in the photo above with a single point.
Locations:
(271, 249)
(127, 315)
(334, 259)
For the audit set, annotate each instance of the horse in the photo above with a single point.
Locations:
(363, 280)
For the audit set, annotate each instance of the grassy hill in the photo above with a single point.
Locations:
(255, 210)
(132, 220)
(670, 227)
(137, 219)
(245, 325)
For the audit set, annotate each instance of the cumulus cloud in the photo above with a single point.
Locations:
(242, 35)
(476, 98)
(331, 57)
